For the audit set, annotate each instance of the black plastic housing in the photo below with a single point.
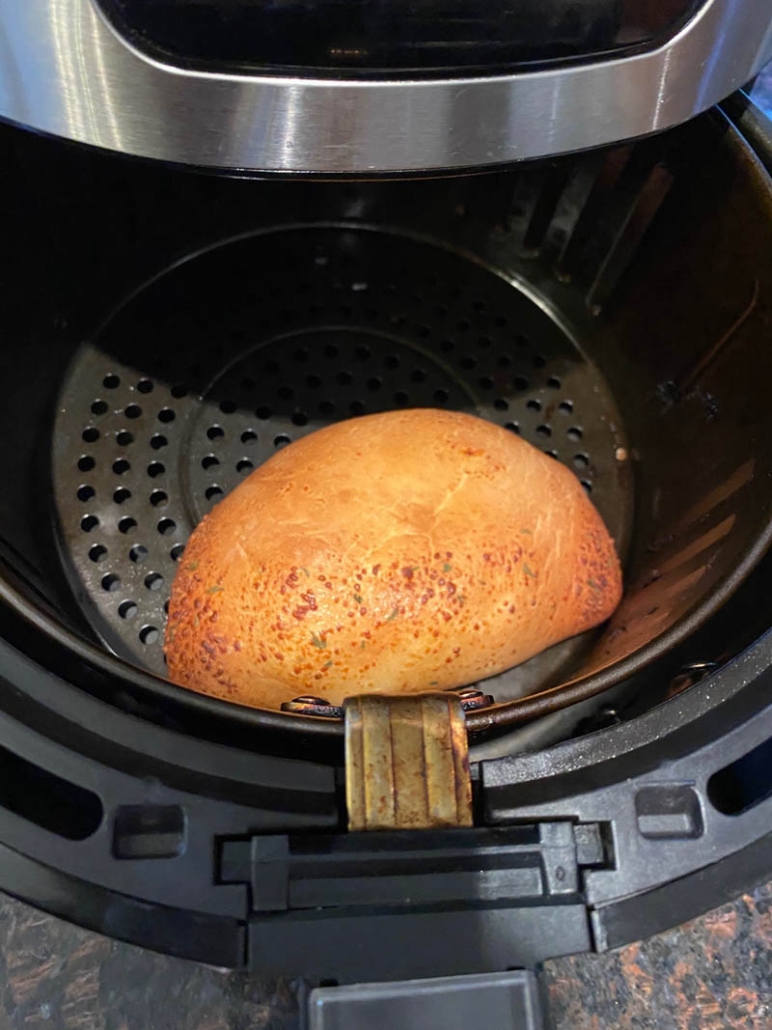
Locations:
(205, 838)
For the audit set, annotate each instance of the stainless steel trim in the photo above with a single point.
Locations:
(65, 71)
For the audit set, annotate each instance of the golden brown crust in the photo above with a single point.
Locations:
(401, 552)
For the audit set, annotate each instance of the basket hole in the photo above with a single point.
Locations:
(121, 495)
(145, 386)
(486, 382)
(157, 441)
(513, 427)
(111, 382)
(99, 407)
(244, 465)
(391, 361)
(464, 325)
(300, 355)
(215, 432)
(521, 383)
(127, 609)
(544, 430)
(440, 396)
(539, 361)
(121, 466)
(281, 440)
(468, 362)
(227, 406)
(286, 393)
(90, 434)
(574, 433)
(300, 418)
(503, 360)
(447, 346)
(331, 351)
(362, 353)
(86, 463)
(133, 411)
(356, 408)
(344, 378)
(155, 468)
(158, 498)
(554, 383)
(97, 553)
(263, 412)
(154, 581)
(178, 391)
(248, 436)
(89, 522)
(326, 408)
(587, 485)
(166, 415)
(166, 526)
(138, 553)
(127, 523)
(566, 407)
(111, 582)
(313, 382)
(124, 438)
(212, 492)
(374, 384)
(400, 398)
(177, 552)
(149, 635)
(85, 492)
(209, 461)
(534, 404)
(485, 342)
(501, 404)
(581, 461)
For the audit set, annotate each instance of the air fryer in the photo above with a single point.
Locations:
(165, 331)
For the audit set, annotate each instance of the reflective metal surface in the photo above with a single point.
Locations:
(63, 70)
(407, 763)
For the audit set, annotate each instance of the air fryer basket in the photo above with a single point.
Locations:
(342, 321)
(609, 308)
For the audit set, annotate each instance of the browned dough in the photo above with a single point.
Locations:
(401, 552)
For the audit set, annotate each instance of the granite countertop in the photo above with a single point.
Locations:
(712, 973)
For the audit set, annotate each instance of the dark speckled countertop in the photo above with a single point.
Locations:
(712, 973)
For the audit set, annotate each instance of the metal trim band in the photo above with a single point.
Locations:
(65, 71)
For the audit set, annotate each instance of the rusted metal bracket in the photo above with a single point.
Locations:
(407, 762)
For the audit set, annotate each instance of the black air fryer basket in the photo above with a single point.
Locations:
(165, 332)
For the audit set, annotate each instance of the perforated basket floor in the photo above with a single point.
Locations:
(236, 352)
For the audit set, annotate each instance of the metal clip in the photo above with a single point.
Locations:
(407, 762)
